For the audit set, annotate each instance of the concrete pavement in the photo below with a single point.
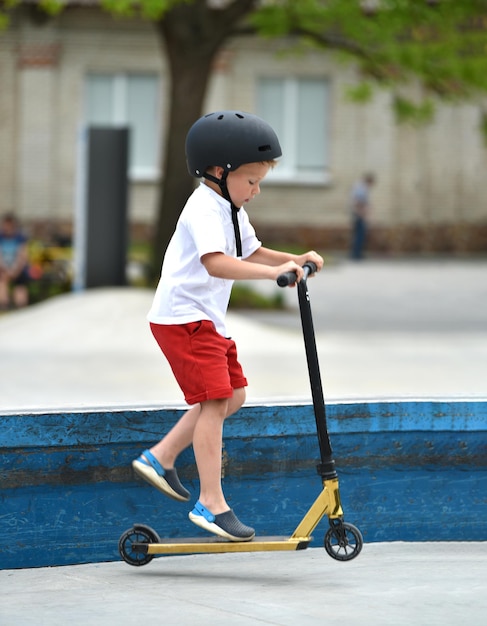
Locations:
(388, 584)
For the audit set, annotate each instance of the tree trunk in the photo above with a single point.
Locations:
(192, 34)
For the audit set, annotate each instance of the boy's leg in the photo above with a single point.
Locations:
(156, 465)
(207, 446)
(211, 511)
(179, 438)
(181, 434)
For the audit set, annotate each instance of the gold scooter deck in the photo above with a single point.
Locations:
(327, 502)
(198, 545)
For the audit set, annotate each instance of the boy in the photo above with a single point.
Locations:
(213, 245)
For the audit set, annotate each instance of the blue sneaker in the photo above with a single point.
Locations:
(166, 480)
(226, 525)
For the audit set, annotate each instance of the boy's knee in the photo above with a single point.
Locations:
(219, 407)
(236, 401)
(239, 396)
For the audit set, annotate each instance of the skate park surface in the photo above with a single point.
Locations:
(385, 329)
(400, 584)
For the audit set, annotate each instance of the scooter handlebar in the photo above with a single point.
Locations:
(289, 278)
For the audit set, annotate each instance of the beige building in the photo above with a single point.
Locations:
(85, 67)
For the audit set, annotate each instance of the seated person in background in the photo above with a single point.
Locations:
(14, 274)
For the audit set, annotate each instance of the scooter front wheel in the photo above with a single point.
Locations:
(343, 541)
(128, 542)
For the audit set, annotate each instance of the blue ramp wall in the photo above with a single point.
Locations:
(408, 471)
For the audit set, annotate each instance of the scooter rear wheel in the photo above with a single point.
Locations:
(139, 533)
(343, 541)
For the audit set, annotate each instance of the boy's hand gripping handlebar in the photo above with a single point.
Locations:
(289, 278)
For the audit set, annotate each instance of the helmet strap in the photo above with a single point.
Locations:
(222, 183)
(236, 229)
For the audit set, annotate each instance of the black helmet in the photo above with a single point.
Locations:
(229, 139)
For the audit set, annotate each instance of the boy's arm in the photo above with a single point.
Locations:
(276, 257)
(263, 263)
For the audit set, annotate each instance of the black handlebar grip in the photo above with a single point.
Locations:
(313, 268)
(289, 278)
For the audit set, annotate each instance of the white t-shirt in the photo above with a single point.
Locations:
(186, 292)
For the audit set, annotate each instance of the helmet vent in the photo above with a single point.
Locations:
(264, 148)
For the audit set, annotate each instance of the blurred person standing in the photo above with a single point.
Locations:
(14, 266)
(360, 212)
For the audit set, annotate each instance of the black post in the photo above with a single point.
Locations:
(105, 208)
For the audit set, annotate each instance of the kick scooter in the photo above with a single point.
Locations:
(342, 541)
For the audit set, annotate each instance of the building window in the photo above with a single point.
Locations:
(128, 100)
(297, 109)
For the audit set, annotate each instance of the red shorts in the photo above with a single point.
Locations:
(204, 363)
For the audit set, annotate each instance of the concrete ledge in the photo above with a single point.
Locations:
(409, 471)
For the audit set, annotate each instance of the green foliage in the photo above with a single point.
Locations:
(5, 7)
(52, 7)
(50, 271)
(148, 9)
(409, 112)
(360, 93)
(442, 43)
